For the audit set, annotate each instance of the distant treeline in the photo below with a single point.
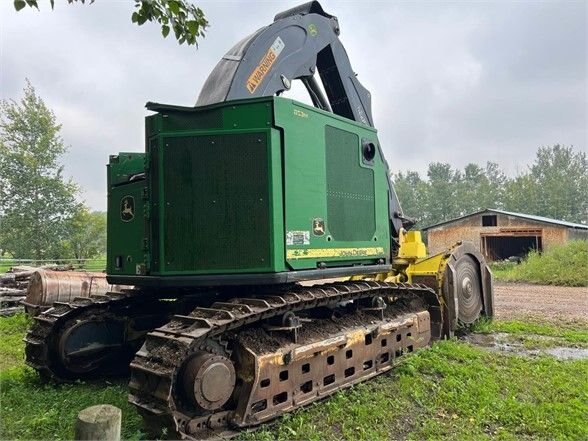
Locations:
(555, 185)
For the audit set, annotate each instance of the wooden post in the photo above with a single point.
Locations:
(100, 422)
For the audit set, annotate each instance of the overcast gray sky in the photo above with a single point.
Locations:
(456, 82)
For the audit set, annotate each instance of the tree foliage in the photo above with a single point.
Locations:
(555, 185)
(86, 234)
(186, 20)
(35, 199)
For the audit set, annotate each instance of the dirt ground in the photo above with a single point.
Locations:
(518, 299)
(513, 300)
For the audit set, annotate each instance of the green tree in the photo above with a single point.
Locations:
(35, 198)
(186, 20)
(412, 192)
(556, 185)
(522, 195)
(561, 178)
(86, 234)
(470, 188)
(442, 195)
(492, 192)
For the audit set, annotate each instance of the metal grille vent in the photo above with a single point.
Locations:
(350, 188)
(216, 203)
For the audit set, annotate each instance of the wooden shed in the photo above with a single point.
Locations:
(501, 234)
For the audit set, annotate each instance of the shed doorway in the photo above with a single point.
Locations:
(502, 247)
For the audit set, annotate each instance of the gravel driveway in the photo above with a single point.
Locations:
(521, 299)
(516, 299)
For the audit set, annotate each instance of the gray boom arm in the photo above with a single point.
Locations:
(299, 42)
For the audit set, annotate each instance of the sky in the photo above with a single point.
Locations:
(454, 82)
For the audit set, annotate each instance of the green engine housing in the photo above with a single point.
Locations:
(266, 190)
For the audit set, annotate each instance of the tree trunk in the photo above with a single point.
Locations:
(100, 422)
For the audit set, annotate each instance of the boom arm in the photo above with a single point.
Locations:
(300, 41)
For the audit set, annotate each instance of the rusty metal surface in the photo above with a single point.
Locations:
(271, 383)
(319, 368)
(47, 287)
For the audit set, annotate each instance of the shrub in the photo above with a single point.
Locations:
(565, 265)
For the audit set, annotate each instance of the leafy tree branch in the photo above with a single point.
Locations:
(187, 21)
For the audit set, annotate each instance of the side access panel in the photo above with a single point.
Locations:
(126, 238)
(336, 201)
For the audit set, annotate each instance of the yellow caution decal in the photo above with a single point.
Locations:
(317, 253)
(265, 65)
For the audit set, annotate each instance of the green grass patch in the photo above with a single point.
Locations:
(453, 390)
(12, 330)
(94, 265)
(563, 265)
(32, 409)
(571, 332)
(5, 265)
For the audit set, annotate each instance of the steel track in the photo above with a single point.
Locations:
(157, 365)
(42, 341)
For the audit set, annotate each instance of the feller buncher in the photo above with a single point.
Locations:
(228, 227)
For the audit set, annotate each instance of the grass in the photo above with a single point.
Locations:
(31, 409)
(94, 265)
(34, 410)
(564, 265)
(12, 330)
(5, 265)
(453, 390)
(564, 333)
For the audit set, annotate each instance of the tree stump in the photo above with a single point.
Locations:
(100, 422)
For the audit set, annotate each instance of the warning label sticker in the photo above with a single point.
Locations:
(298, 238)
(265, 65)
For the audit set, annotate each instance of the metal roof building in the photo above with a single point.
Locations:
(501, 234)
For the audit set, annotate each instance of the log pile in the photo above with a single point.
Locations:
(13, 289)
(14, 285)
(47, 287)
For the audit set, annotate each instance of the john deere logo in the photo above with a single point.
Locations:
(127, 208)
(318, 226)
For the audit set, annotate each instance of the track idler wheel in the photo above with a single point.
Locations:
(209, 381)
(87, 346)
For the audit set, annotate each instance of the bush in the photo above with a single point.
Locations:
(565, 265)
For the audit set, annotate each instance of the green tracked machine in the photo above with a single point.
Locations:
(268, 259)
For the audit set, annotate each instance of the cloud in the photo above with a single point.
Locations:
(454, 82)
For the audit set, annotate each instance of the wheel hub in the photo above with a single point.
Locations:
(466, 286)
(209, 380)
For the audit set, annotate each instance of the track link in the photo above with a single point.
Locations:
(157, 367)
